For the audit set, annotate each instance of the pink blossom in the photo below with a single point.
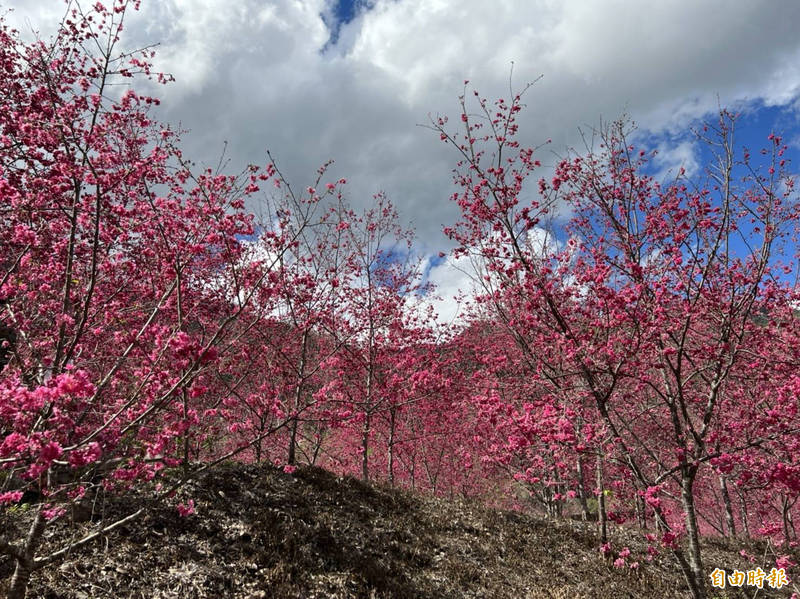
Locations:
(14, 443)
(53, 512)
(10, 497)
(186, 509)
(51, 451)
(87, 455)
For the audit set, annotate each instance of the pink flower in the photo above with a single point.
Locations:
(651, 495)
(50, 452)
(668, 539)
(289, 469)
(53, 512)
(81, 457)
(77, 493)
(619, 562)
(10, 497)
(13, 443)
(75, 383)
(187, 509)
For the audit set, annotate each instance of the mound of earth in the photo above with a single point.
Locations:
(258, 532)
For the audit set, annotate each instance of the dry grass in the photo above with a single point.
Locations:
(260, 533)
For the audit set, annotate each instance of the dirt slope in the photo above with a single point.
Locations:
(261, 533)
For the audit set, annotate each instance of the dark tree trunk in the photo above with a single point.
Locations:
(392, 424)
(641, 512)
(24, 563)
(582, 492)
(8, 340)
(365, 450)
(726, 500)
(695, 575)
(602, 522)
(292, 458)
(743, 515)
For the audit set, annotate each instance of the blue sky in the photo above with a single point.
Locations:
(755, 121)
(344, 11)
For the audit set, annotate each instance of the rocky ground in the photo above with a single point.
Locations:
(261, 533)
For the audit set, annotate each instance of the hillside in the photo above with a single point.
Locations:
(259, 532)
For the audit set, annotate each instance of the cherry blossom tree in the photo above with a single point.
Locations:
(125, 284)
(311, 289)
(644, 306)
(379, 281)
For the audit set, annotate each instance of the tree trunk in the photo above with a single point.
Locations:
(686, 568)
(413, 471)
(298, 396)
(24, 562)
(20, 579)
(641, 512)
(292, 458)
(601, 503)
(743, 515)
(365, 450)
(695, 575)
(726, 500)
(317, 447)
(392, 422)
(582, 492)
(785, 518)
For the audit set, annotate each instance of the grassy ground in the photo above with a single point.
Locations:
(261, 533)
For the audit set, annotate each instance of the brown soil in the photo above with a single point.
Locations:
(261, 533)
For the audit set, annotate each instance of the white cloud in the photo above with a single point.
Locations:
(672, 157)
(255, 73)
(541, 242)
(454, 282)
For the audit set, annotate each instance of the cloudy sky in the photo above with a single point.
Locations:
(351, 80)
